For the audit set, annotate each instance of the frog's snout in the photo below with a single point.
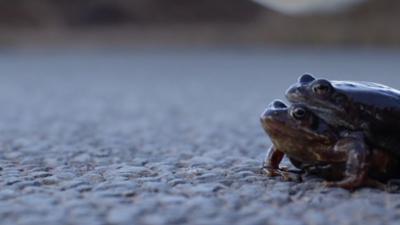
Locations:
(294, 93)
(297, 90)
(273, 110)
(268, 115)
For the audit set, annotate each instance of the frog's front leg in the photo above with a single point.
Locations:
(356, 151)
(271, 165)
(272, 160)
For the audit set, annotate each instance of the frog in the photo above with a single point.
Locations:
(305, 138)
(369, 109)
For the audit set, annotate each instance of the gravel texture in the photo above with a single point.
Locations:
(166, 136)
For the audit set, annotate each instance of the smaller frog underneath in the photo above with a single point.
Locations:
(308, 140)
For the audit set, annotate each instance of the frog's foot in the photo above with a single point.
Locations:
(270, 172)
(349, 183)
(282, 172)
(274, 172)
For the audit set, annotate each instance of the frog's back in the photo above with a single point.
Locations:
(370, 94)
(380, 109)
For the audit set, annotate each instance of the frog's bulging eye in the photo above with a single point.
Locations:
(299, 113)
(322, 87)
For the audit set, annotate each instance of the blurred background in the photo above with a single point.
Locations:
(187, 22)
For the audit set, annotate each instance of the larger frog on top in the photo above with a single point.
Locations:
(365, 110)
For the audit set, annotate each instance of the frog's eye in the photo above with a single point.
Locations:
(299, 113)
(322, 87)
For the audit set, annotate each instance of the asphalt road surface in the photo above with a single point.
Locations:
(166, 136)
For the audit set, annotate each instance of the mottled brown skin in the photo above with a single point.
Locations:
(372, 110)
(306, 138)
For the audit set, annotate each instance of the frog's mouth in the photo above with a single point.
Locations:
(274, 121)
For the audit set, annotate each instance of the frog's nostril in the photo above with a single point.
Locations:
(268, 114)
(306, 78)
(264, 116)
(293, 90)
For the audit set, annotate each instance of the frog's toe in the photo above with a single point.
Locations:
(289, 176)
(286, 175)
(270, 172)
(329, 184)
(345, 184)
(284, 169)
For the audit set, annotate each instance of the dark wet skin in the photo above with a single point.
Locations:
(308, 140)
(368, 109)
